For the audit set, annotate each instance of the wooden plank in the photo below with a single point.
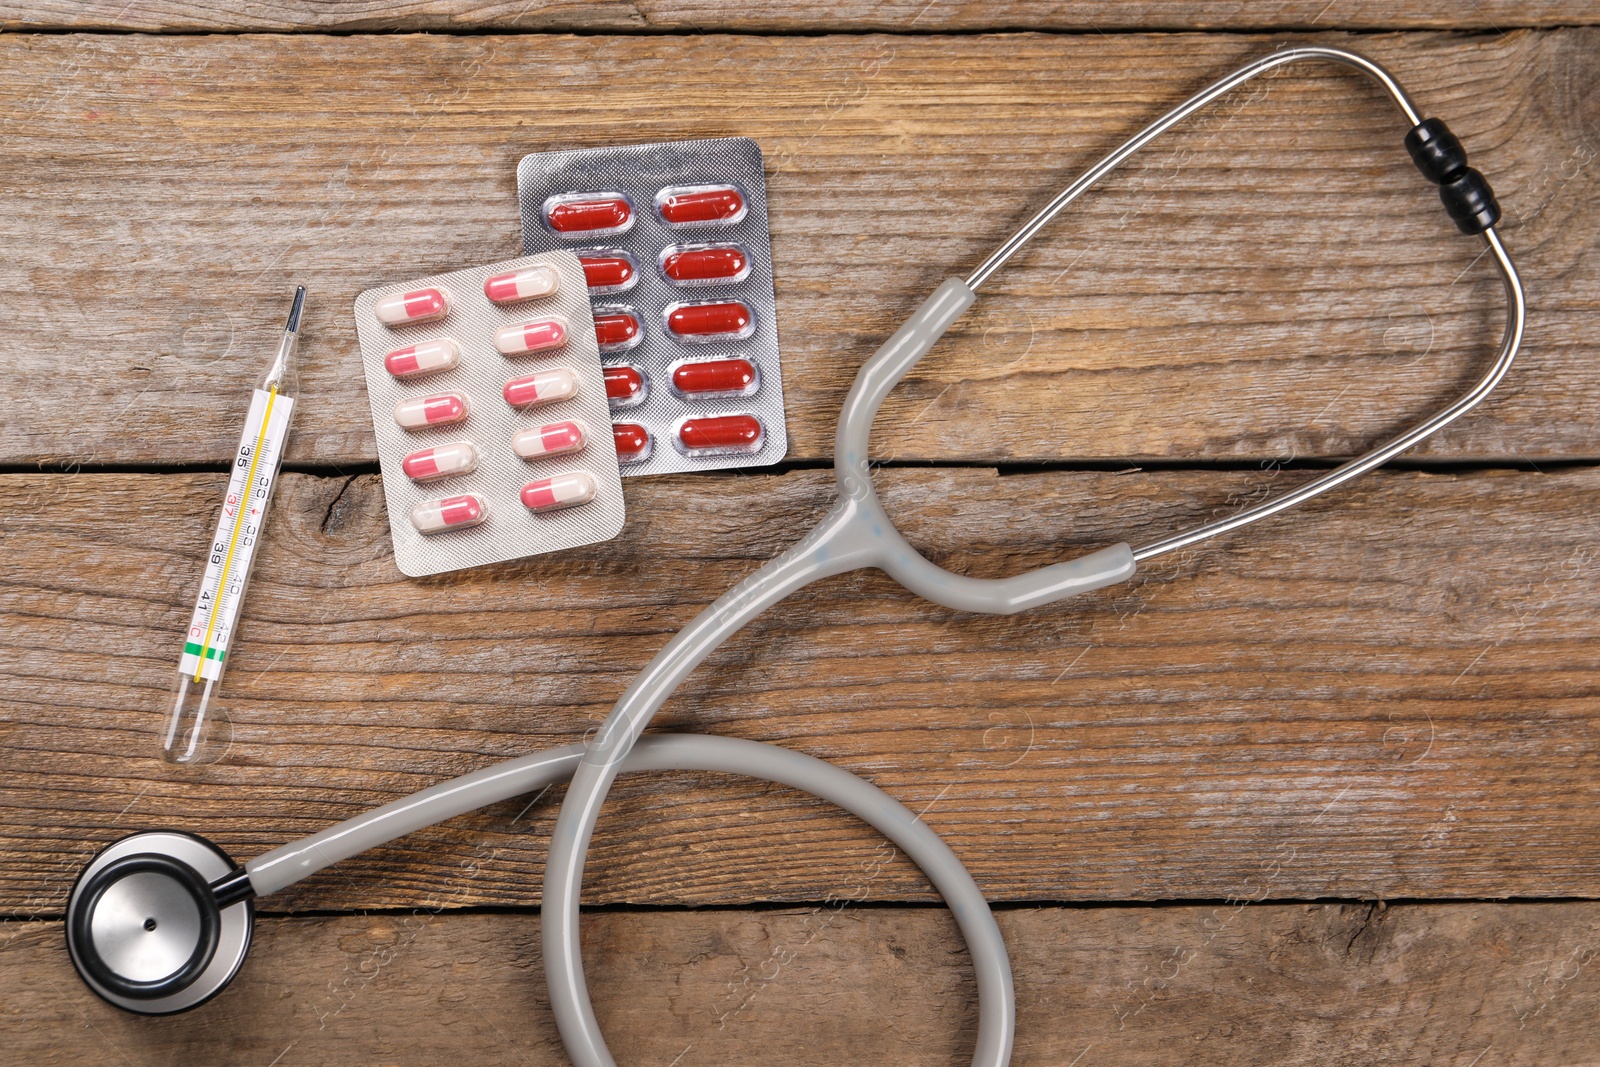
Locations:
(1275, 281)
(1225, 986)
(771, 16)
(1389, 694)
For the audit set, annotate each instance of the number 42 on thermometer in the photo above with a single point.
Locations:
(233, 549)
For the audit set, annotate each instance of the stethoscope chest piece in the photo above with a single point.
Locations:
(144, 928)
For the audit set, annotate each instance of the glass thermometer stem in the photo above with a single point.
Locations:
(233, 546)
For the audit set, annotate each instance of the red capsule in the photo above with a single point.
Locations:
(429, 357)
(625, 386)
(451, 513)
(521, 338)
(720, 435)
(707, 379)
(563, 491)
(633, 442)
(616, 329)
(581, 213)
(700, 205)
(705, 264)
(440, 462)
(555, 439)
(515, 286)
(719, 321)
(421, 412)
(545, 387)
(403, 309)
(608, 270)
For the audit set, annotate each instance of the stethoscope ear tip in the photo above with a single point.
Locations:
(147, 928)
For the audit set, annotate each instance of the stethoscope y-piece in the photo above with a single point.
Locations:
(856, 533)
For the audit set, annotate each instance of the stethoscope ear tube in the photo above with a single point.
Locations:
(884, 370)
(862, 527)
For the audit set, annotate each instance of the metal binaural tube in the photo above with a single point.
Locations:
(1161, 125)
(1516, 301)
(1516, 313)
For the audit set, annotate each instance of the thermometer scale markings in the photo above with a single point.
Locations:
(234, 543)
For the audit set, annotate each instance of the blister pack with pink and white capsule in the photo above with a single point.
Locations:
(674, 245)
(489, 406)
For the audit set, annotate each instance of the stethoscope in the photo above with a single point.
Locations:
(159, 922)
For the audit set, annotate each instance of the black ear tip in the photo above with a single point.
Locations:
(1470, 202)
(1465, 193)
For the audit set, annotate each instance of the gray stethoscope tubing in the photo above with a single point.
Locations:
(858, 534)
(290, 863)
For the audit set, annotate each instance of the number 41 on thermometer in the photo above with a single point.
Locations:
(233, 549)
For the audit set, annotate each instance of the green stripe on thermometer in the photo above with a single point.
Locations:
(233, 549)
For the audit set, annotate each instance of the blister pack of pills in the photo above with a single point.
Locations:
(675, 249)
(489, 405)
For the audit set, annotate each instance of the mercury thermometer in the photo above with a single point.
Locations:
(233, 546)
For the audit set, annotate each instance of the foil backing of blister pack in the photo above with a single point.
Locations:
(511, 530)
(641, 172)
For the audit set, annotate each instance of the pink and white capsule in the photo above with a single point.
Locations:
(545, 387)
(424, 411)
(451, 513)
(535, 336)
(440, 462)
(515, 286)
(420, 305)
(428, 357)
(563, 491)
(555, 439)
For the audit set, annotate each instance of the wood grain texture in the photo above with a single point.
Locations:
(773, 16)
(1274, 281)
(1390, 694)
(1227, 986)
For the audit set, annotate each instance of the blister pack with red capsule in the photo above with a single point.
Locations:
(489, 405)
(674, 245)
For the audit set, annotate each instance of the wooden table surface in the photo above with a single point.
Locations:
(1320, 792)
